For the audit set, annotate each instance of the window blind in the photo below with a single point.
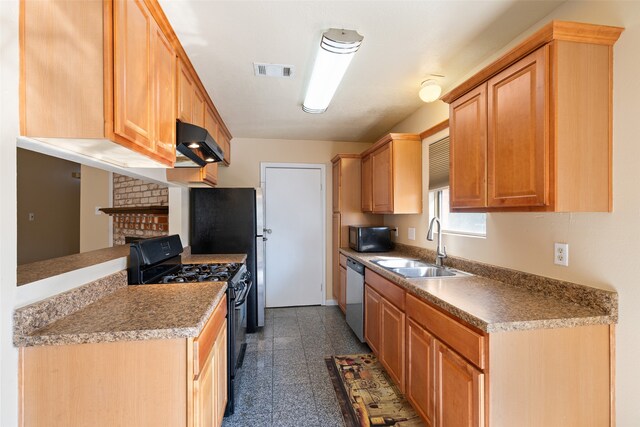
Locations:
(439, 164)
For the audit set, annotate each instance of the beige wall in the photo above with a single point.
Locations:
(247, 154)
(47, 189)
(95, 191)
(603, 247)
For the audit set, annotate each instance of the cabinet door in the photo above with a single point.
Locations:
(367, 195)
(226, 146)
(468, 150)
(337, 175)
(211, 125)
(185, 93)
(335, 256)
(220, 374)
(459, 390)
(133, 72)
(381, 168)
(210, 174)
(342, 297)
(372, 301)
(518, 134)
(198, 107)
(420, 387)
(164, 96)
(204, 394)
(392, 351)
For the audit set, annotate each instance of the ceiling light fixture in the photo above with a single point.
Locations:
(430, 90)
(337, 49)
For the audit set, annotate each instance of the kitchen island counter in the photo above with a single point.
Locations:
(121, 313)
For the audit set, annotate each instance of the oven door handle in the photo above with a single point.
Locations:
(241, 300)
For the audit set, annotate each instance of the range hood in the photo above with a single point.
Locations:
(195, 147)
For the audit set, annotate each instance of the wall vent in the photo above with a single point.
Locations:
(273, 70)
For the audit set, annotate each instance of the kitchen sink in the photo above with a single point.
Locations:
(400, 263)
(411, 268)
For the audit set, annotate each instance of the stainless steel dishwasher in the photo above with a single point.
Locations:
(355, 297)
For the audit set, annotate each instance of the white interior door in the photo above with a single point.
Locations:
(294, 215)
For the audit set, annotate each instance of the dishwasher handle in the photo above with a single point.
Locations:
(356, 266)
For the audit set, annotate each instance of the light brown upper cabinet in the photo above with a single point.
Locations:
(468, 150)
(367, 194)
(97, 73)
(185, 93)
(392, 175)
(165, 93)
(134, 49)
(198, 108)
(532, 131)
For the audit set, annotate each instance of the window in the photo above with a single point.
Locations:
(471, 224)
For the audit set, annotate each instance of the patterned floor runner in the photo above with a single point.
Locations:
(367, 395)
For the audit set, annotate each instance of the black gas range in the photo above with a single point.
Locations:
(159, 261)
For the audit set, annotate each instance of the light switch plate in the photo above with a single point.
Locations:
(411, 234)
(561, 254)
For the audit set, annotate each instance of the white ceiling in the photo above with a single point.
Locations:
(404, 41)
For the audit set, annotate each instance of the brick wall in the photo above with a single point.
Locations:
(129, 191)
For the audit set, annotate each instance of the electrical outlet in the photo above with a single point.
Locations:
(32, 216)
(396, 231)
(411, 234)
(98, 211)
(561, 254)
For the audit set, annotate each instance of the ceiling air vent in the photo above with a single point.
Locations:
(273, 70)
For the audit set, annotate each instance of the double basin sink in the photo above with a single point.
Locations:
(411, 268)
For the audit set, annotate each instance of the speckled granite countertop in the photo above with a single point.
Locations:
(495, 306)
(162, 311)
(39, 270)
(136, 313)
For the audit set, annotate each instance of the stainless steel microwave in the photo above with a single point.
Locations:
(370, 239)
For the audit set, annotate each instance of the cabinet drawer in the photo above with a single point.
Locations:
(203, 344)
(392, 292)
(463, 340)
(343, 261)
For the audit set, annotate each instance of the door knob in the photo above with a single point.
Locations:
(267, 230)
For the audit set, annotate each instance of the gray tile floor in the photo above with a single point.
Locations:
(284, 380)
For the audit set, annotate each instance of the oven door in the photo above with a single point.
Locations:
(240, 322)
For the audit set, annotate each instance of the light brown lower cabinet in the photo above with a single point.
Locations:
(457, 376)
(420, 386)
(170, 382)
(372, 307)
(459, 390)
(385, 324)
(392, 341)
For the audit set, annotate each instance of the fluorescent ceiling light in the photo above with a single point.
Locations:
(337, 49)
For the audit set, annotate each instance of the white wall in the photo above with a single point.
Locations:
(603, 246)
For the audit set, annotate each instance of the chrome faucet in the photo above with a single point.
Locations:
(441, 250)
